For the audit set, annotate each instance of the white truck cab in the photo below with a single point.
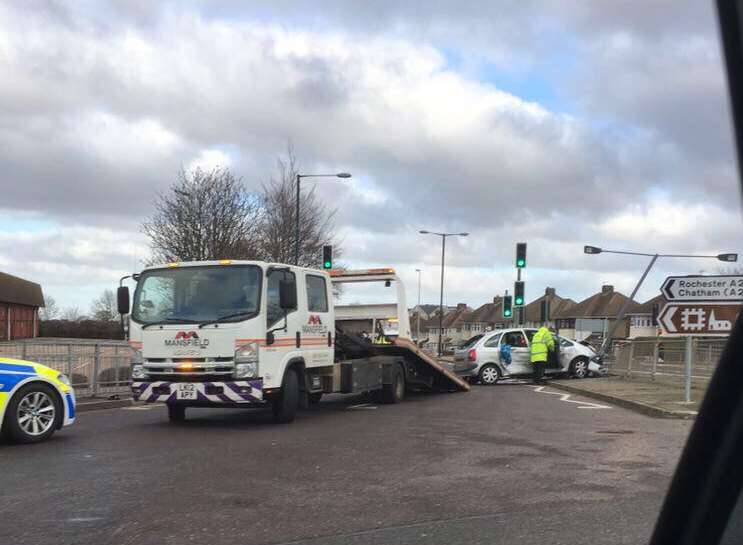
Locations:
(242, 333)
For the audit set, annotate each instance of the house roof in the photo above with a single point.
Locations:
(604, 304)
(454, 318)
(19, 291)
(647, 306)
(488, 313)
(428, 309)
(557, 305)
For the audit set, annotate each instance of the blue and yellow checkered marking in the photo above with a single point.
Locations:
(13, 372)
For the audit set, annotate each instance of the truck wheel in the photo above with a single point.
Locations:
(176, 413)
(285, 404)
(315, 397)
(395, 391)
(33, 414)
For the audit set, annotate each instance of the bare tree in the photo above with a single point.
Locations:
(205, 216)
(104, 308)
(278, 230)
(50, 310)
(72, 314)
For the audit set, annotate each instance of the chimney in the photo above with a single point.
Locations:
(549, 292)
(461, 307)
(606, 289)
(497, 299)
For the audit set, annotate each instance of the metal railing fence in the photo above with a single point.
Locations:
(95, 367)
(689, 361)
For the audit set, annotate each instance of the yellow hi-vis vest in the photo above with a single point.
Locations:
(541, 344)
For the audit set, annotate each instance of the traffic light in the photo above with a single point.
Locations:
(518, 293)
(507, 306)
(520, 255)
(327, 257)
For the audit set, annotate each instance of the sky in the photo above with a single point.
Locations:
(556, 124)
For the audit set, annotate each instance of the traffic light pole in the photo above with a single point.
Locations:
(441, 294)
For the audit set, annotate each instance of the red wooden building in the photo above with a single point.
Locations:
(19, 308)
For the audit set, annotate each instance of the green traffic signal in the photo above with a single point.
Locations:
(327, 257)
(507, 306)
(521, 255)
(518, 293)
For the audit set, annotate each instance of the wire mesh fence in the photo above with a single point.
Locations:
(665, 359)
(95, 367)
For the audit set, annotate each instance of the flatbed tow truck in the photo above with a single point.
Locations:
(234, 333)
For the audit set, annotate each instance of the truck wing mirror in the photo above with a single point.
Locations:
(122, 299)
(270, 338)
(287, 295)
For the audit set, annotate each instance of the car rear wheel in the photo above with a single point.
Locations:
(33, 414)
(580, 368)
(489, 374)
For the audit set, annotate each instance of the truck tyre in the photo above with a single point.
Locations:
(285, 404)
(33, 414)
(314, 397)
(395, 391)
(176, 413)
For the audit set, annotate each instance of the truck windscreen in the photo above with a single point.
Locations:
(198, 294)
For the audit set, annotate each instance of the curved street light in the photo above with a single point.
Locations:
(441, 294)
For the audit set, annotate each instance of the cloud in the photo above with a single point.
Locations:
(102, 104)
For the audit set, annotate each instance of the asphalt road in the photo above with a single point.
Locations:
(504, 464)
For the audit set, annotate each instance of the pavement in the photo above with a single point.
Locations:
(660, 399)
(504, 464)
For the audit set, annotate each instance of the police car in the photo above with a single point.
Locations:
(35, 401)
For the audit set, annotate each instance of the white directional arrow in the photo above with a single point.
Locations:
(666, 321)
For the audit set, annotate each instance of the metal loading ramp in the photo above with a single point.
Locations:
(443, 379)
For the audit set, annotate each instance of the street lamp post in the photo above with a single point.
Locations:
(729, 258)
(299, 178)
(418, 332)
(441, 294)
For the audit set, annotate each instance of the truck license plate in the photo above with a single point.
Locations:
(186, 391)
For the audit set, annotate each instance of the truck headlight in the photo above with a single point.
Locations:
(246, 370)
(246, 361)
(138, 371)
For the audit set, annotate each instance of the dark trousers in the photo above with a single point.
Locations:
(539, 371)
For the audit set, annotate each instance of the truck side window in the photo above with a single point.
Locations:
(317, 293)
(273, 307)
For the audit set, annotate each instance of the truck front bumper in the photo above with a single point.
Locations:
(219, 393)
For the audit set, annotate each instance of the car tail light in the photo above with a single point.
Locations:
(472, 355)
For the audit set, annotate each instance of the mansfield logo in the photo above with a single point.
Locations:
(314, 326)
(187, 339)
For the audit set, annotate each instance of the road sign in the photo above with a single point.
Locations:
(703, 288)
(698, 318)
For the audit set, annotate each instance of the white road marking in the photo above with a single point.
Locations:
(361, 407)
(566, 397)
(142, 408)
